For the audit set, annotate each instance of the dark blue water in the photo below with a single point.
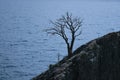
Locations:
(26, 50)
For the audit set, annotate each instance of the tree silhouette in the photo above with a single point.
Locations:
(67, 27)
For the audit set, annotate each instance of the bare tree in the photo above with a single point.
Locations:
(68, 27)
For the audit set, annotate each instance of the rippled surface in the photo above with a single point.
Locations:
(26, 50)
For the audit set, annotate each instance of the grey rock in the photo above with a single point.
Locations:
(97, 60)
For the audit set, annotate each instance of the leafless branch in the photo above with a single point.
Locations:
(66, 22)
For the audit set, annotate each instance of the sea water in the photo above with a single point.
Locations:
(26, 50)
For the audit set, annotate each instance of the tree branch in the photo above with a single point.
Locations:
(63, 24)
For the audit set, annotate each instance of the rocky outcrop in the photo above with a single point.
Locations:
(97, 60)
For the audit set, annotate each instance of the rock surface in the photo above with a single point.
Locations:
(97, 60)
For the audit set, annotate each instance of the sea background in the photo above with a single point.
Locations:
(26, 50)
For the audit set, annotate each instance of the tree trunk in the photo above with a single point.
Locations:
(69, 52)
(70, 46)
